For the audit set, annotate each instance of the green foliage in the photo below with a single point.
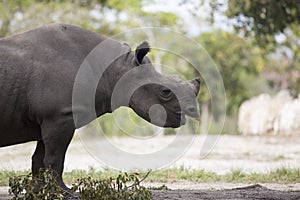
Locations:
(281, 175)
(123, 122)
(8, 10)
(266, 21)
(96, 15)
(237, 174)
(92, 186)
(24, 187)
(162, 187)
(282, 70)
(5, 175)
(239, 62)
(266, 18)
(124, 187)
(130, 5)
(161, 19)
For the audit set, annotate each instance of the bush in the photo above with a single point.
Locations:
(27, 188)
(124, 187)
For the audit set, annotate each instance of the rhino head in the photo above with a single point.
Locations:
(164, 100)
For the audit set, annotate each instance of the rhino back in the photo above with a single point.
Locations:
(37, 71)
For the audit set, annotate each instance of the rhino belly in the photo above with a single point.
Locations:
(18, 135)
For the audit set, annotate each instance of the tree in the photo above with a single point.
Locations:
(20, 15)
(8, 11)
(282, 69)
(239, 63)
(268, 20)
(265, 18)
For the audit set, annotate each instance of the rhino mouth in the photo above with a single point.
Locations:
(182, 120)
(181, 116)
(193, 113)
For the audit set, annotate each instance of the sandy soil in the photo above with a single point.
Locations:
(249, 154)
(241, 192)
(249, 192)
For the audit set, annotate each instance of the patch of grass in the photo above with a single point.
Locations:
(73, 176)
(6, 174)
(162, 187)
(281, 175)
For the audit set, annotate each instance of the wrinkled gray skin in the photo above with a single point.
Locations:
(37, 73)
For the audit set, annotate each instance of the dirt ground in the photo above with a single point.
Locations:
(250, 192)
(247, 192)
(248, 154)
(193, 190)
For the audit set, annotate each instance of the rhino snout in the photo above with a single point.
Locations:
(192, 112)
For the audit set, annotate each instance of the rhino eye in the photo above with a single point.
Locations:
(166, 93)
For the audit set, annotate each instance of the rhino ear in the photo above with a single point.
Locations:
(195, 83)
(140, 52)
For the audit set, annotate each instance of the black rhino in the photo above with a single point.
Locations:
(37, 73)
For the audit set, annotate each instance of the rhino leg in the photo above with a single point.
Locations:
(38, 163)
(56, 137)
(38, 158)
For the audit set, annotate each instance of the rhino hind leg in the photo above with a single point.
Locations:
(38, 163)
(38, 158)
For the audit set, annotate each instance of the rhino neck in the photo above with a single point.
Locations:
(108, 82)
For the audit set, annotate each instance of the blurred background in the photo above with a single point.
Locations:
(254, 43)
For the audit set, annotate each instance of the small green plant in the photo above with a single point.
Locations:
(237, 174)
(162, 187)
(43, 186)
(124, 187)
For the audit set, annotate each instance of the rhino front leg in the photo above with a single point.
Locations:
(56, 138)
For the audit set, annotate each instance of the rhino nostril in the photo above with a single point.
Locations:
(191, 109)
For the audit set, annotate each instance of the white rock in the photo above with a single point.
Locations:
(288, 120)
(253, 115)
(259, 115)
